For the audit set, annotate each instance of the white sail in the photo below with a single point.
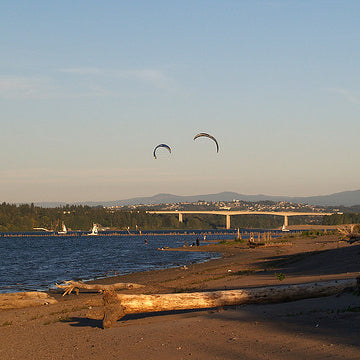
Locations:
(94, 230)
(64, 230)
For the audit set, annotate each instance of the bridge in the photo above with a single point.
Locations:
(228, 213)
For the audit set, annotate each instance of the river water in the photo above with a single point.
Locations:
(29, 263)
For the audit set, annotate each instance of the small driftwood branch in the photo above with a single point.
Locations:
(25, 299)
(118, 305)
(71, 285)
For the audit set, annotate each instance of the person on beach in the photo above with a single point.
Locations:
(146, 242)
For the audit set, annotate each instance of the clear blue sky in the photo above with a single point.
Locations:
(89, 88)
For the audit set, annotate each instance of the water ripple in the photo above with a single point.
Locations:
(37, 263)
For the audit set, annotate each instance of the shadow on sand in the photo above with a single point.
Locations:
(325, 262)
(83, 322)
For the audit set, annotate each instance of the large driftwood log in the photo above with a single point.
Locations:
(71, 285)
(118, 305)
(25, 299)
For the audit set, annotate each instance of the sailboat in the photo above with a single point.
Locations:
(64, 230)
(94, 230)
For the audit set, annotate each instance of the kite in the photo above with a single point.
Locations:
(210, 137)
(159, 146)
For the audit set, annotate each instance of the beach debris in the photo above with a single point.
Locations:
(117, 306)
(71, 285)
(25, 299)
(208, 136)
(351, 232)
(161, 146)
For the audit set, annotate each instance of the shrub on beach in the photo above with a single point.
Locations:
(312, 233)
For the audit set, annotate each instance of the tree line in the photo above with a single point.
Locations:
(26, 217)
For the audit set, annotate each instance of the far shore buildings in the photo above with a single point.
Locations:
(227, 205)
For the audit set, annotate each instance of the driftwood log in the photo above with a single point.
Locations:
(71, 285)
(350, 232)
(118, 305)
(25, 299)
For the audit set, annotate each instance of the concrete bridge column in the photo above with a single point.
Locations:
(227, 221)
(286, 221)
(180, 217)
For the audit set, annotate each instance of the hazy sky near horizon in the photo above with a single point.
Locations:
(88, 89)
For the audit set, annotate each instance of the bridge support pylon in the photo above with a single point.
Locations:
(227, 221)
(286, 221)
(180, 217)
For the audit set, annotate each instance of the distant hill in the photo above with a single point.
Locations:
(345, 198)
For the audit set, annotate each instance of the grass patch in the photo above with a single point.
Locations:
(226, 242)
(255, 244)
(286, 240)
(312, 233)
(280, 276)
(232, 241)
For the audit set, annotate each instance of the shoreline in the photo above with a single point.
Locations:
(236, 266)
(110, 233)
(99, 258)
(318, 328)
(178, 232)
(224, 255)
(212, 237)
(110, 278)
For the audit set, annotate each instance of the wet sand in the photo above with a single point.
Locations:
(320, 328)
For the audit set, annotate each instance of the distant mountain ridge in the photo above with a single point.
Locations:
(345, 198)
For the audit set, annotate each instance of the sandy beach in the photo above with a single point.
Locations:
(318, 328)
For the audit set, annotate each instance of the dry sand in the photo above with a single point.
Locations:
(321, 328)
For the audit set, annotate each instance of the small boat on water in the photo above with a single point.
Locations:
(94, 230)
(63, 231)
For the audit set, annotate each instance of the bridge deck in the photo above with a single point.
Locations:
(229, 213)
(235, 212)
